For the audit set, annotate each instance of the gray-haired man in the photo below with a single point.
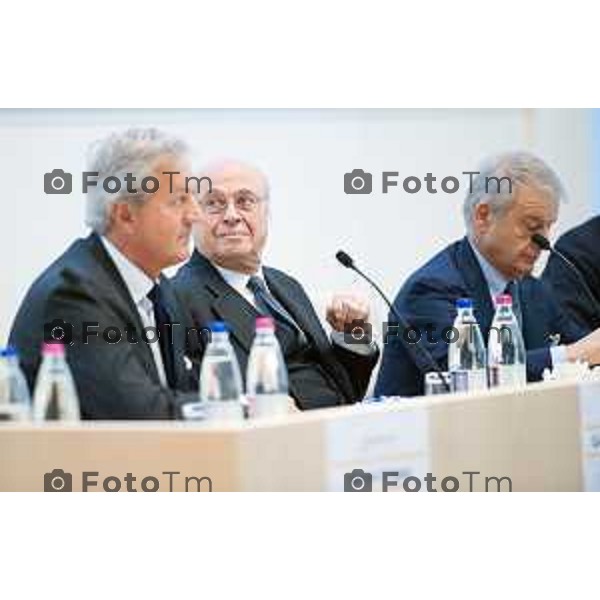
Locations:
(227, 280)
(105, 296)
(515, 196)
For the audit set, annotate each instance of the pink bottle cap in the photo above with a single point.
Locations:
(503, 300)
(54, 349)
(265, 323)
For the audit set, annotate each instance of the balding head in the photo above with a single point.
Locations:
(232, 230)
(228, 170)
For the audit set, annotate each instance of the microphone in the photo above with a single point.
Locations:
(543, 243)
(413, 350)
(345, 259)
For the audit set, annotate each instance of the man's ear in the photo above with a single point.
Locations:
(482, 218)
(123, 215)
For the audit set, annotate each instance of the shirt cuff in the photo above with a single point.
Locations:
(360, 348)
(558, 355)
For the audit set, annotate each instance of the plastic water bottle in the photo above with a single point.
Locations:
(55, 396)
(221, 390)
(15, 400)
(467, 355)
(266, 376)
(506, 350)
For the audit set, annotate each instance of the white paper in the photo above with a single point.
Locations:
(376, 439)
(589, 411)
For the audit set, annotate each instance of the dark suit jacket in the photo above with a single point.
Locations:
(209, 297)
(114, 381)
(582, 247)
(429, 297)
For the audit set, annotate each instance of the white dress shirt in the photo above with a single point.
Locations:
(239, 282)
(138, 284)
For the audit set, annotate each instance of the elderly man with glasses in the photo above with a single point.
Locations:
(226, 280)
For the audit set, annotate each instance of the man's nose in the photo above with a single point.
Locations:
(546, 230)
(231, 213)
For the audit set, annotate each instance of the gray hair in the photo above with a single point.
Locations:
(135, 151)
(501, 176)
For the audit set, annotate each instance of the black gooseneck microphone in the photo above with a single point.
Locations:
(543, 243)
(413, 350)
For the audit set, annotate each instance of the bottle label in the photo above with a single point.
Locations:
(269, 405)
(224, 410)
(469, 381)
(194, 411)
(507, 375)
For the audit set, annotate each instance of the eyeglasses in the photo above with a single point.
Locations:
(216, 203)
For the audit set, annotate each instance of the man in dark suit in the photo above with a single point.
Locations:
(109, 285)
(581, 246)
(497, 256)
(225, 280)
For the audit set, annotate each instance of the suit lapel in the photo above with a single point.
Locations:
(535, 323)
(239, 314)
(231, 307)
(227, 304)
(115, 289)
(297, 303)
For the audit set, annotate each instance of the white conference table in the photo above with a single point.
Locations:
(545, 437)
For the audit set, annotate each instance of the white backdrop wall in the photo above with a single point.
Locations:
(305, 154)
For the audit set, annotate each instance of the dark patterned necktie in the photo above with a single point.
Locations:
(512, 288)
(268, 305)
(162, 319)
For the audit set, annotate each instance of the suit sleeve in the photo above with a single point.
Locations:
(567, 291)
(561, 322)
(359, 367)
(428, 307)
(430, 304)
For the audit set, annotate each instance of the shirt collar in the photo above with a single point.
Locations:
(137, 282)
(237, 280)
(495, 280)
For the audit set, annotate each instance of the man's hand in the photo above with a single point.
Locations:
(345, 308)
(586, 349)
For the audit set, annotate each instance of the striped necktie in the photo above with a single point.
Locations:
(268, 304)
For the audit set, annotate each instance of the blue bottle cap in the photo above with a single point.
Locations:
(8, 352)
(219, 327)
(464, 303)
